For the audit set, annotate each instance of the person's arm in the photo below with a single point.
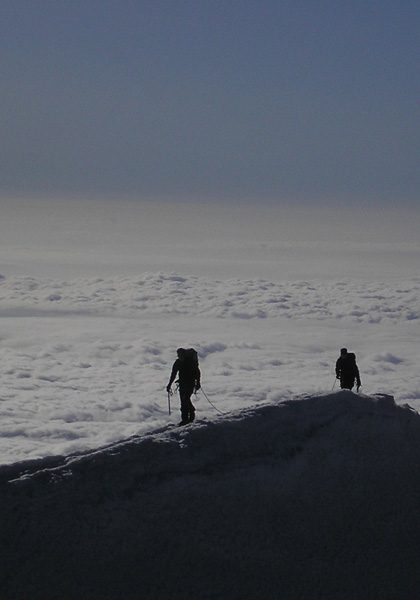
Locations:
(337, 368)
(198, 379)
(174, 372)
(359, 383)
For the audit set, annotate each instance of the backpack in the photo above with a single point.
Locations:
(191, 357)
(188, 368)
(349, 367)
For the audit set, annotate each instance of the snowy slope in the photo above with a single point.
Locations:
(315, 498)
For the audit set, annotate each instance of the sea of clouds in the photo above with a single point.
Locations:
(85, 362)
(95, 297)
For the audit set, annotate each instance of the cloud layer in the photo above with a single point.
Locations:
(172, 294)
(85, 362)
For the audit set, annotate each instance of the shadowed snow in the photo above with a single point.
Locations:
(312, 498)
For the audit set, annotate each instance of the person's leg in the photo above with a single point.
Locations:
(346, 384)
(191, 411)
(185, 408)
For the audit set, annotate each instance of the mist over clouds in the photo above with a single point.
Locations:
(256, 101)
(96, 296)
(73, 238)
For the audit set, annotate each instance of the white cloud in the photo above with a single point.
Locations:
(96, 361)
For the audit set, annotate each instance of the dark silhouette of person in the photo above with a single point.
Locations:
(347, 371)
(189, 376)
(340, 362)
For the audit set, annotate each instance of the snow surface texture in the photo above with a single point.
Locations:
(314, 499)
(85, 362)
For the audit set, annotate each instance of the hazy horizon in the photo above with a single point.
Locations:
(67, 239)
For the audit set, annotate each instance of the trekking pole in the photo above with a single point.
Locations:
(334, 384)
(169, 402)
(211, 403)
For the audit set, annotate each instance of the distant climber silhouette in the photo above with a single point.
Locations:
(189, 376)
(340, 362)
(347, 371)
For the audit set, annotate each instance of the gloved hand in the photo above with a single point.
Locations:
(169, 389)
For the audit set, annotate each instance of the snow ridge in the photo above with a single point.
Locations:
(312, 498)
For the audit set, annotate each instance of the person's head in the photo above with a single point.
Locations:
(343, 351)
(181, 353)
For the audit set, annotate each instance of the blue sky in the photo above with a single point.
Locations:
(255, 101)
